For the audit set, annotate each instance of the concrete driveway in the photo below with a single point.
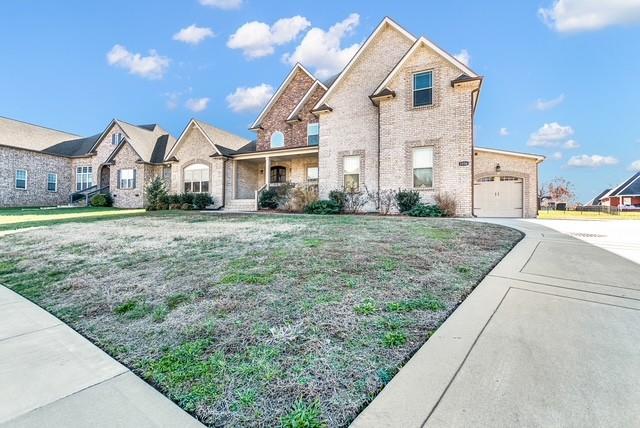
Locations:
(549, 338)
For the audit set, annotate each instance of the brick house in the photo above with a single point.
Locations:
(399, 116)
(626, 194)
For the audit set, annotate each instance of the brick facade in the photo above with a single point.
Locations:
(129, 198)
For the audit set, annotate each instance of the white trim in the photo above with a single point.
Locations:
(625, 187)
(107, 129)
(539, 158)
(385, 21)
(55, 182)
(432, 46)
(304, 99)
(192, 122)
(275, 96)
(26, 179)
(278, 152)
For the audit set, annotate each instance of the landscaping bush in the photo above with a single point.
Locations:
(385, 200)
(187, 198)
(338, 196)
(354, 201)
(447, 203)
(186, 207)
(302, 196)
(407, 200)
(175, 206)
(324, 206)
(269, 199)
(424, 210)
(102, 200)
(202, 200)
(173, 199)
(156, 191)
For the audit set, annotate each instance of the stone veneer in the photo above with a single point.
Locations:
(511, 165)
(352, 126)
(38, 166)
(129, 198)
(446, 126)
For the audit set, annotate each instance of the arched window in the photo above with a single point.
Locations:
(196, 178)
(278, 174)
(277, 140)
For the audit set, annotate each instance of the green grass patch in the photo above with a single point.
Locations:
(133, 309)
(368, 307)
(423, 304)
(394, 339)
(304, 415)
(176, 300)
(247, 278)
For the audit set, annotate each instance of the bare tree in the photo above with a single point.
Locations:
(560, 190)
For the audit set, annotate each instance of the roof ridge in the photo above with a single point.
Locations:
(135, 126)
(40, 126)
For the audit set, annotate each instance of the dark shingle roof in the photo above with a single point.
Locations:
(330, 80)
(629, 187)
(77, 147)
(596, 200)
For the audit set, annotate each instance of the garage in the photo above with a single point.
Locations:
(499, 196)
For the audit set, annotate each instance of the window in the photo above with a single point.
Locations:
(277, 140)
(21, 179)
(278, 174)
(423, 167)
(84, 177)
(196, 178)
(351, 170)
(313, 134)
(116, 138)
(52, 182)
(312, 173)
(626, 201)
(423, 89)
(127, 178)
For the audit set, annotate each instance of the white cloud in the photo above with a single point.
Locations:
(250, 99)
(543, 105)
(197, 104)
(173, 99)
(589, 15)
(222, 4)
(592, 161)
(556, 155)
(257, 39)
(464, 57)
(550, 135)
(322, 51)
(152, 66)
(635, 165)
(193, 34)
(570, 144)
(503, 132)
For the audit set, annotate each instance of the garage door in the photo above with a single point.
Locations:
(498, 197)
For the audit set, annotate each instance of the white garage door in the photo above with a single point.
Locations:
(498, 197)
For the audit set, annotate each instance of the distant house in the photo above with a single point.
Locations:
(626, 194)
(597, 200)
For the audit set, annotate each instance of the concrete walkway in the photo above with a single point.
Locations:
(550, 338)
(51, 376)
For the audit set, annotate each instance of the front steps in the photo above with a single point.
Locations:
(240, 205)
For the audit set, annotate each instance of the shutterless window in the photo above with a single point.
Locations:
(21, 179)
(277, 140)
(196, 178)
(84, 177)
(127, 179)
(423, 167)
(52, 182)
(116, 138)
(423, 89)
(312, 173)
(351, 168)
(313, 134)
(278, 174)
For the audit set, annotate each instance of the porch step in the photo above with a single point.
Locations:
(240, 205)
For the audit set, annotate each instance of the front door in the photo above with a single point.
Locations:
(105, 176)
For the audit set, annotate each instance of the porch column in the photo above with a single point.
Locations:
(267, 171)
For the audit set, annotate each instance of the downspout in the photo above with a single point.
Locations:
(473, 147)
(378, 184)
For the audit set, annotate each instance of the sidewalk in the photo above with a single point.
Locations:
(51, 376)
(549, 338)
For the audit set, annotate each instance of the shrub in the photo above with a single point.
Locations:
(156, 191)
(407, 200)
(173, 199)
(303, 415)
(175, 206)
(423, 210)
(269, 199)
(101, 200)
(302, 196)
(324, 206)
(339, 197)
(186, 207)
(354, 201)
(447, 203)
(202, 200)
(186, 198)
(385, 200)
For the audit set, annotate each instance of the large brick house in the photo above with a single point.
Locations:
(399, 116)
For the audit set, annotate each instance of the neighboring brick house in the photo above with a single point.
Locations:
(399, 116)
(626, 194)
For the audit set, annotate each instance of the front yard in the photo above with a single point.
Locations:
(20, 218)
(256, 320)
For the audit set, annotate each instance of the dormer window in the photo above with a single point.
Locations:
(277, 140)
(423, 89)
(116, 138)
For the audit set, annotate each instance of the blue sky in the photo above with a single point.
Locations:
(560, 76)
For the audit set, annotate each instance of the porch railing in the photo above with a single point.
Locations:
(87, 194)
(258, 193)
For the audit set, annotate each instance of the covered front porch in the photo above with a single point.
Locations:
(255, 172)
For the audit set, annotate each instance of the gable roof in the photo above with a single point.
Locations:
(223, 142)
(24, 135)
(596, 200)
(385, 22)
(629, 187)
(423, 41)
(274, 98)
(303, 101)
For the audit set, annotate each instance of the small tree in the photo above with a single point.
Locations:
(560, 190)
(156, 192)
